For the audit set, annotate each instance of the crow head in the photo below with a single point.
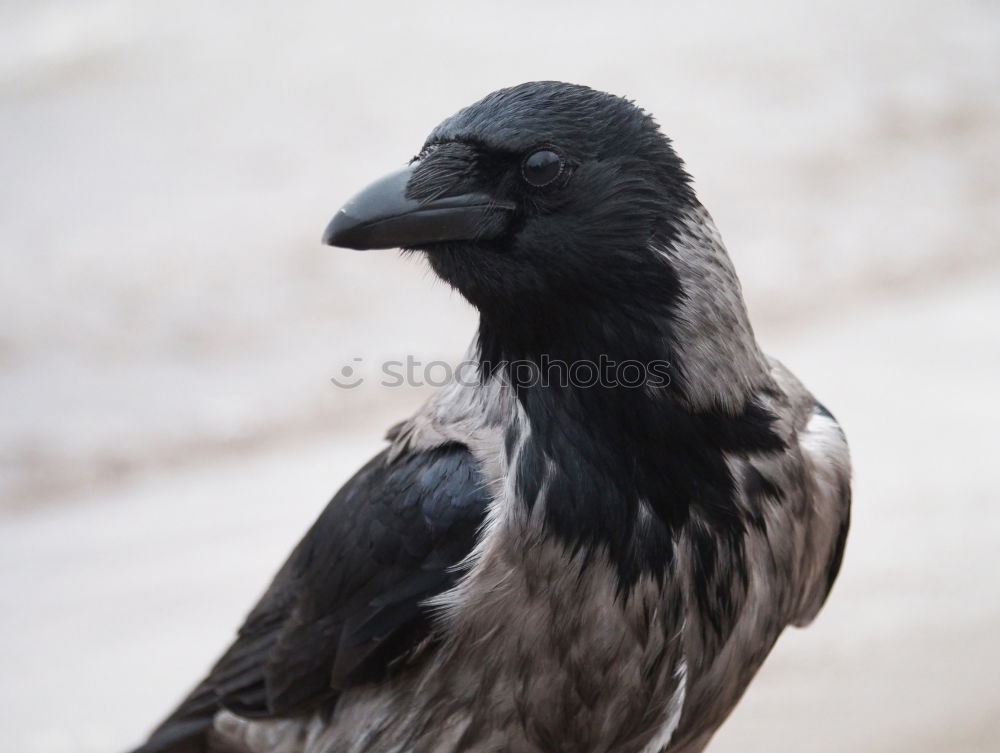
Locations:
(538, 198)
(564, 215)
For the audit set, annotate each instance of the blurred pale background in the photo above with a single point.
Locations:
(169, 321)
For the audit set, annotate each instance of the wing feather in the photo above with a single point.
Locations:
(350, 601)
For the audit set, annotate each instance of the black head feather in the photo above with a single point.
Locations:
(581, 242)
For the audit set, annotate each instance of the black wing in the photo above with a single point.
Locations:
(348, 603)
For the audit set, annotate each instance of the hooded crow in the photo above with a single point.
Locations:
(593, 544)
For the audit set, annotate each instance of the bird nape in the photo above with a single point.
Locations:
(594, 545)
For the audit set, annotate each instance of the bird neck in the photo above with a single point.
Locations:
(682, 304)
(619, 463)
(620, 470)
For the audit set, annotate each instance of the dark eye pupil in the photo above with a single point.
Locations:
(541, 167)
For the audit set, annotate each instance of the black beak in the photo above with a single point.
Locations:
(382, 216)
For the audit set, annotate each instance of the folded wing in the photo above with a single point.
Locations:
(349, 604)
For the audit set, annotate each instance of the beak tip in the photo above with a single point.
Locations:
(338, 231)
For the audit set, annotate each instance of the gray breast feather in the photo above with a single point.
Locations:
(541, 653)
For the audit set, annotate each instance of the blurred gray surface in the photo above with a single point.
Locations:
(169, 322)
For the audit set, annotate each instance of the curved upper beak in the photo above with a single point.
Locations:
(382, 216)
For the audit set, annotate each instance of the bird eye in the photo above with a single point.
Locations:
(541, 168)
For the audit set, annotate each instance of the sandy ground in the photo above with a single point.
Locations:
(169, 323)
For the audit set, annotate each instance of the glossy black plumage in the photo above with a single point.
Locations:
(348, 602)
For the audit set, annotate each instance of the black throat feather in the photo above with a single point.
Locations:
(624, 469)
